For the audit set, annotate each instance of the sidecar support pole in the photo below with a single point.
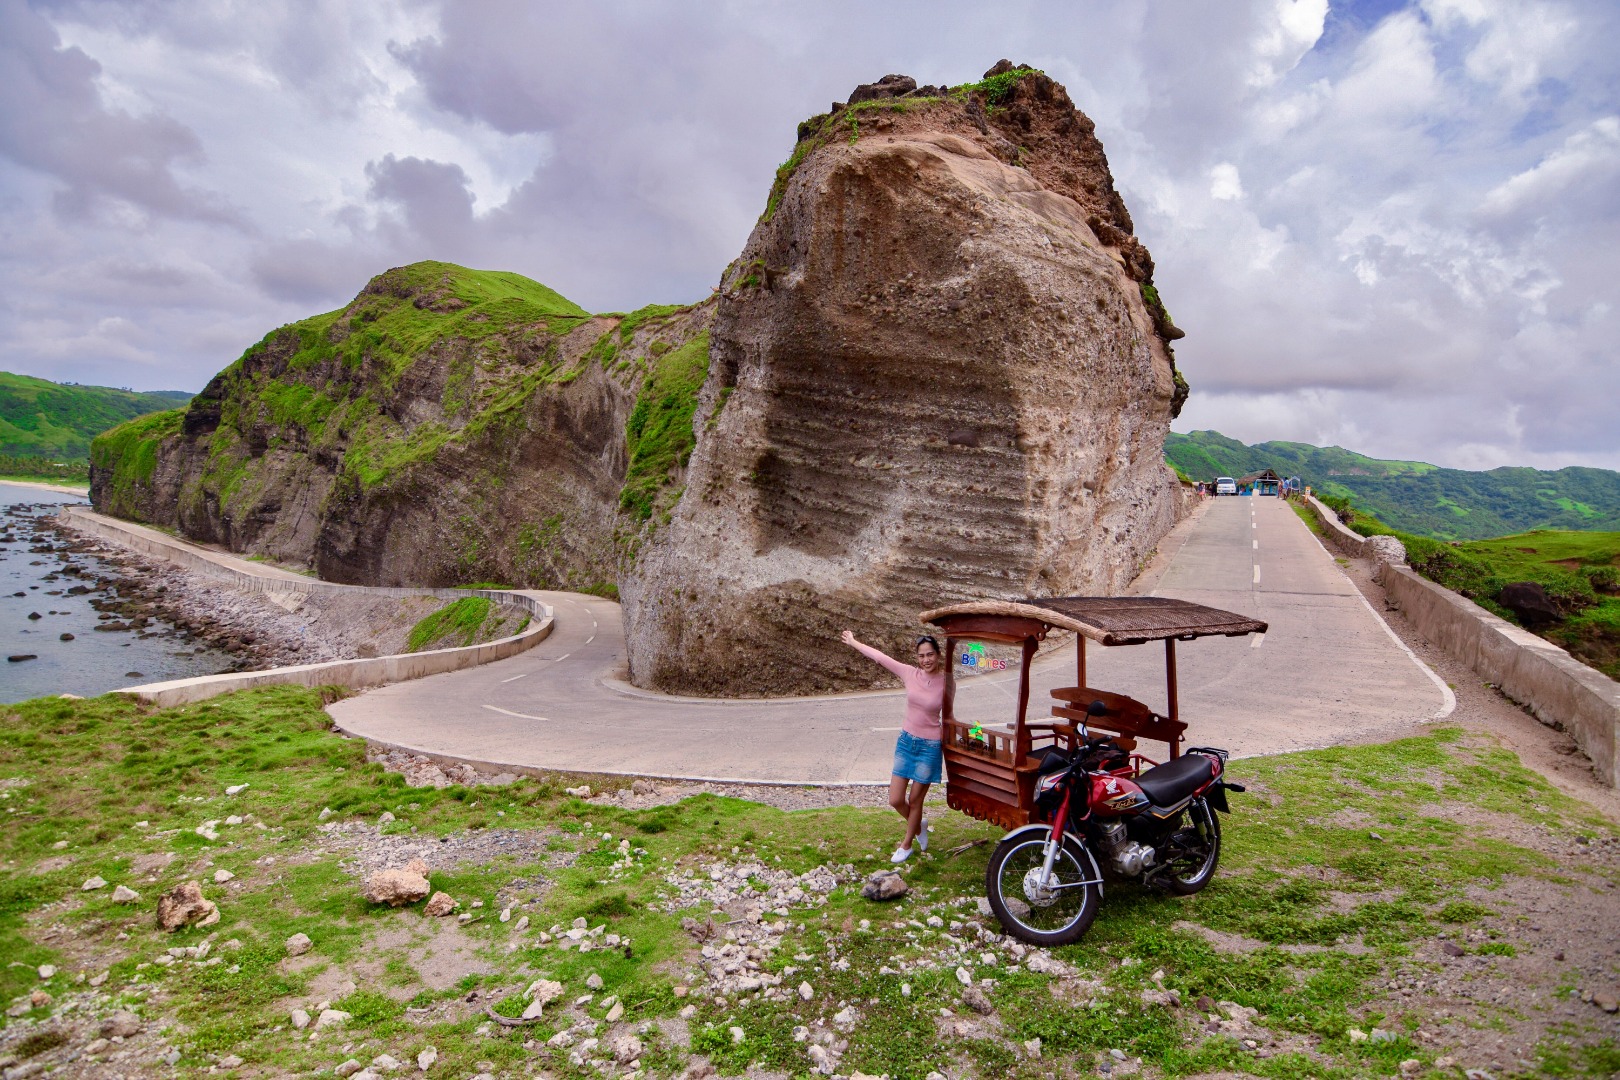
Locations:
(1170, 685)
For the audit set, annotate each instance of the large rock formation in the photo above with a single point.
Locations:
(448, 426)
(939, 370)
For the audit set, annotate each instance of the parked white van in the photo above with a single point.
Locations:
(1225, 485)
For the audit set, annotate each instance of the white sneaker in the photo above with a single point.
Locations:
(901, 854)
(922, 837)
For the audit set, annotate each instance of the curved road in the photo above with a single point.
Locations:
(1328, 671)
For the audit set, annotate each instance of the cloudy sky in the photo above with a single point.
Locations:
(1391, 226)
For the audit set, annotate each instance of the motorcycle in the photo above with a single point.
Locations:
(1106, 817)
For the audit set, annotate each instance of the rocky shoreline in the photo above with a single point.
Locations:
(150, 598)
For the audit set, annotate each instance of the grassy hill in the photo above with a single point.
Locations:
(39, 418)
(1414, 496)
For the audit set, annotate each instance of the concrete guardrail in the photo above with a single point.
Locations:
(355, 674)
(1557, 688)
(1335, 534)
(1537, 674)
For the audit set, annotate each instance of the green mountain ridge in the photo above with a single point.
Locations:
(40, 418)
(1415, 496)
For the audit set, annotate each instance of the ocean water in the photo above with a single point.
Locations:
(94, 662)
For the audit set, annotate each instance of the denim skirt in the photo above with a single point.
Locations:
(918, 759)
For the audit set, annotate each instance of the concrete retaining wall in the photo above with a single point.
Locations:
(1335, 535)
(355, 674)
(1555, 686)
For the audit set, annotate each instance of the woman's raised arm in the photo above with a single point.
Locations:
(895, 666)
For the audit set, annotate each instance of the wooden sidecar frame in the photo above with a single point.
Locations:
(990, 774)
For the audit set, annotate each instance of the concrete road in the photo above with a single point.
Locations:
(1328, 671)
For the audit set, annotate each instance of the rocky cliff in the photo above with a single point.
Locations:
(448, 426)
(938, 370)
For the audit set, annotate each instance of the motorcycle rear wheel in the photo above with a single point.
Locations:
(1037, 915)
(1186, 876)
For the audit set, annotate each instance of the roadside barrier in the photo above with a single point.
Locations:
(1558, 689)
(355, 674)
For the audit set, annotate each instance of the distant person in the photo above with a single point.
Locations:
(918, 759)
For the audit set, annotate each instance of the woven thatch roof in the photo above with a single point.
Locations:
(1112, 620)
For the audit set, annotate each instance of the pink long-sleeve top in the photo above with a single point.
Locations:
(925, 694)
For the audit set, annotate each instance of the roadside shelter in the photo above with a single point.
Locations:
(1261, 483)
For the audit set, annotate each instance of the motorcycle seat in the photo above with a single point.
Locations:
(1176, 779)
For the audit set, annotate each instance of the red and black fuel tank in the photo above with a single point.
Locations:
(1115, 796)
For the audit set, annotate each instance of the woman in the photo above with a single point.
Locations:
(930, 694)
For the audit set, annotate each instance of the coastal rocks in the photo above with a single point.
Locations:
(185, 905)
(938, 371)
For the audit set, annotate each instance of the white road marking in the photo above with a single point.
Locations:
(515, 678)
(888, 729)
(1259, 640)
(590, 639)
(1257, 545)
(519, 715)
(566, 655)
(1257, 573)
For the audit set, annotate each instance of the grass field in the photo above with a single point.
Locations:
(1344, 874)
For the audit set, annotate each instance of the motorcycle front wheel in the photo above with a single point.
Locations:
(1057, 911)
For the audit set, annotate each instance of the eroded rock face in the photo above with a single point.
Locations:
(938, 371)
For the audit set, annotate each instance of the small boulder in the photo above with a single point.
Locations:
(593, 981)
(885, 885)
(396, 888)
(425, 1060)
(385, 818)
(299, 944)
(331, 1018)
(977, 1000)
(348, 1068)
(185, 905)
(441, 905)
(299, 1019)
(122, 1024)
(222, 876)
(236, 789)
(94, 883)
(626, 1048)
(123, 894)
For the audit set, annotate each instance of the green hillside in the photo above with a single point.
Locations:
(39, 418)
(1416, 497)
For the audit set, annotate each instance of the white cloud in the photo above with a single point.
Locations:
(1399, 235)
(1591, 154)
(1224, 182)
(1287, 35)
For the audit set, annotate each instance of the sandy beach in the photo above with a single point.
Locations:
(42, 486)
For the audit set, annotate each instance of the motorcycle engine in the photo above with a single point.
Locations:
(1128, 857)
